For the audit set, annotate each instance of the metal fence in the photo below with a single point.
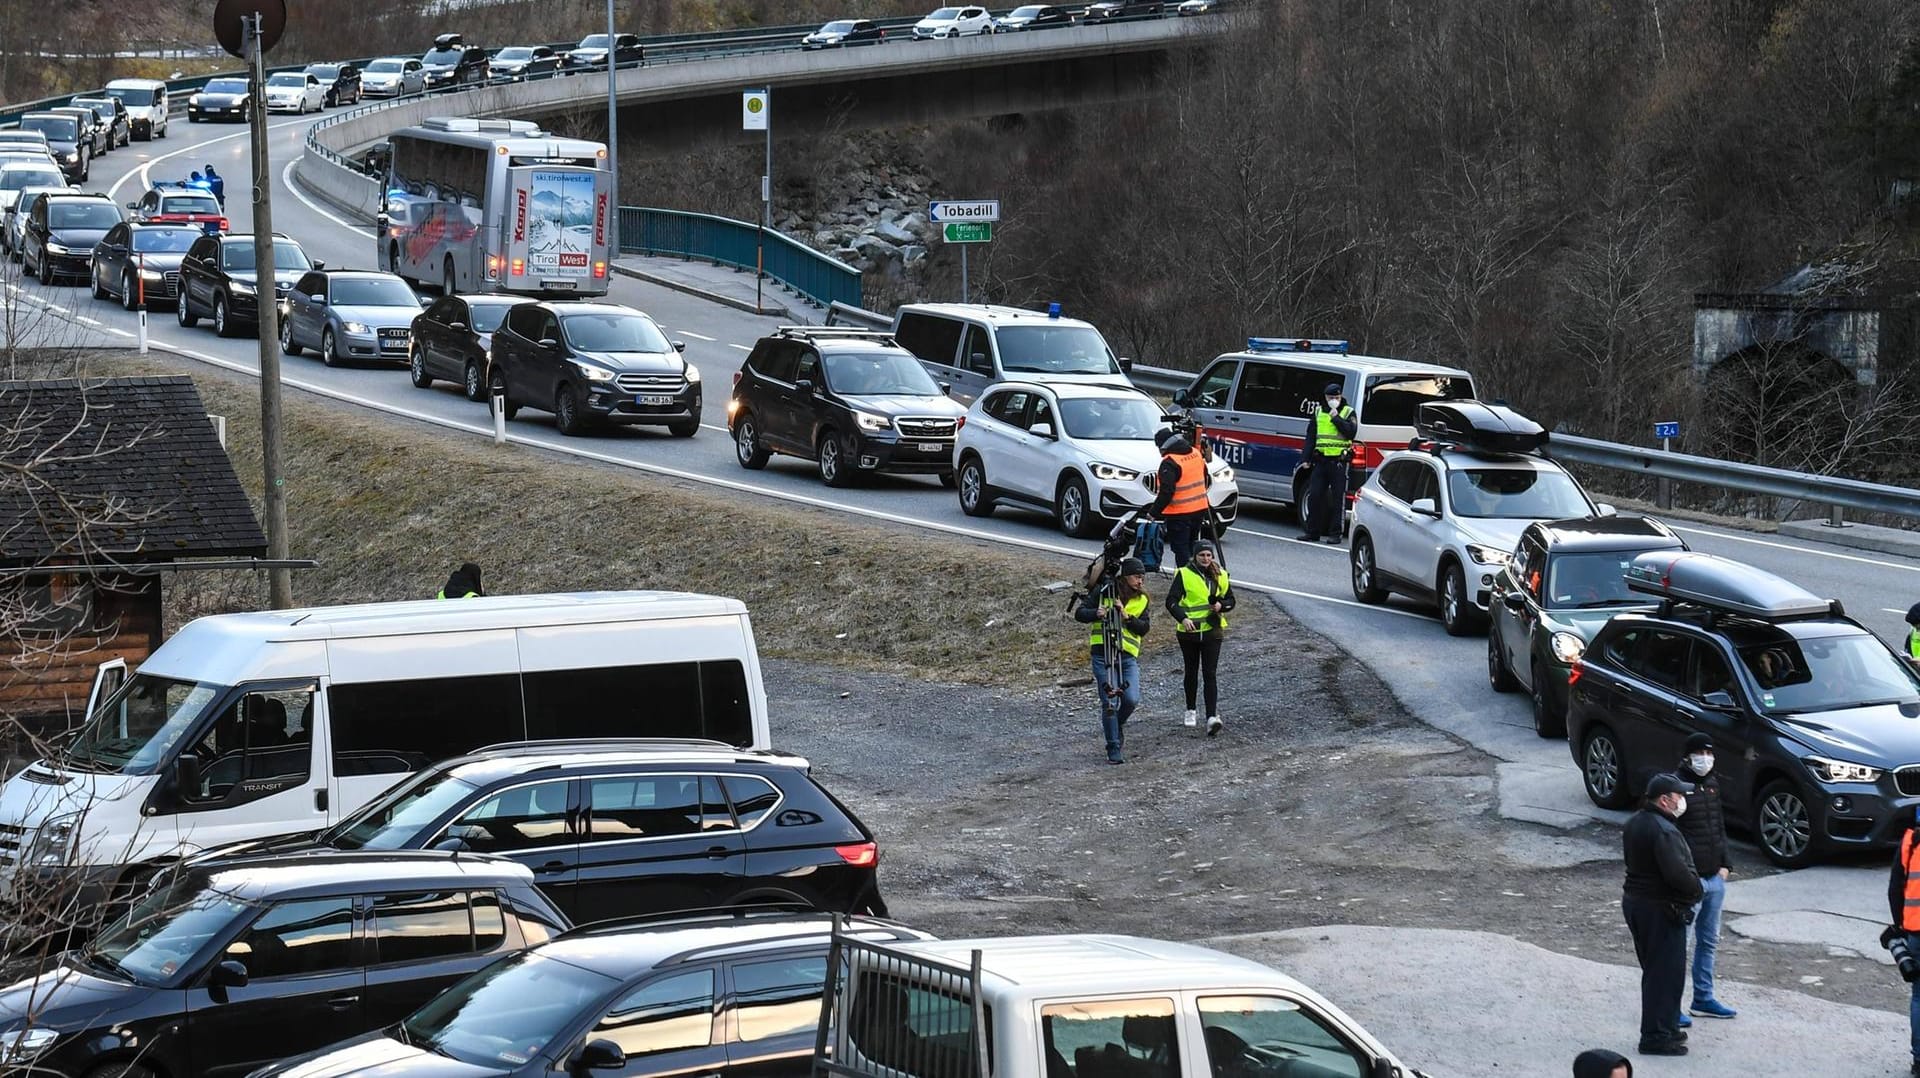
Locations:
(888, 1013)
(724, 241)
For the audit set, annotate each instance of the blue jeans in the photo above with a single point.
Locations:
(1706, 934)
(1114, 713)
(1913, 1006)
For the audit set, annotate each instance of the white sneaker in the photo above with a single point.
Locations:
(1191, 718)
(1213, 725)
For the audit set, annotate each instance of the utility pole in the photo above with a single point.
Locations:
(613, 136)
(279, 579)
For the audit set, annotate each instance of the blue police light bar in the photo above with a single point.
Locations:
(1053, 310)
(1295, 344)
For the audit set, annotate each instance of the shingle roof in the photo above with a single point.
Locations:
(126, 468)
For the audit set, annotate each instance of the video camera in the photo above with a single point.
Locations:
(1104, 570)
(1904, 958)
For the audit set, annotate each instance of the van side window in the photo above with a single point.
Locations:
(1232, 1025)
(1211, 390)
(259, 746)
(1281, 390)
(930, 337)
(978, 354)
(397, 727)
(694, 699)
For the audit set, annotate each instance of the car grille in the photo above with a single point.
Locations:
(1907, 780)
(393, 335)
(12, 837)
(170, 284)
(926, 426)
(650, 383)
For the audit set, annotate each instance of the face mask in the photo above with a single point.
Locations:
(1680, 807)
(1332, 403)
(1701, 762)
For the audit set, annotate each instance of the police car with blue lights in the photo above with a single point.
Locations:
(1438, 520)
(1815, 721)
(1255, 408)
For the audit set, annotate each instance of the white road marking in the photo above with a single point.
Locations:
(1799, 549)
(89, 321)
(142, 171)
(742, 347)
(486, 430)
(286, 177)
(695, 336)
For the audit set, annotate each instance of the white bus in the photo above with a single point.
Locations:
(497, 206)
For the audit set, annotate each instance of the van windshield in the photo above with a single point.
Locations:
(1395, 399)
(136, 98)
(1058, 349)
(135, 729)
(392, 820)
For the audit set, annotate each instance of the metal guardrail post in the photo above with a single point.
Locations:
(1835, 517)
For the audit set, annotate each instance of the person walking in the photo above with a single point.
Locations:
(1657, 902)
(1913, 633)
(1180, 498)
(1118, 699)
(462, 583)
(1329, 443)
(1903, 906)
(218, 185)
(1600, 1063)
(1199, 600)
(1705, 829)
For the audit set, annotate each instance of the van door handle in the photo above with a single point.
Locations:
(341, 1003)
(320, 799)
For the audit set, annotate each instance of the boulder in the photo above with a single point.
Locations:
(894, 231)
(913, 253)
(871, 207)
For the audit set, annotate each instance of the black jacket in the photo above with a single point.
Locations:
(1343, 421)
(1599, 1063)
(1705, 824)
(1168, 477)
(1179, 592)
(1088, 612)
(1659, 867)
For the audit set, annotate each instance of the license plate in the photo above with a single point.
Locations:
(558, 284)
(655, 401)
(932, 447)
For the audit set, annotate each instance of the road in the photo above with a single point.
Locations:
(1440, 678)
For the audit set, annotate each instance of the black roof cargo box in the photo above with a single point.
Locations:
(1724, 584)
(1491, 428)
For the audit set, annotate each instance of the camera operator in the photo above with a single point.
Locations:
(1180, 497)
(1129, 593)
(1657, 901)
(1903, 902)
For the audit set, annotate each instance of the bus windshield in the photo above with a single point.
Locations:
(136, 727)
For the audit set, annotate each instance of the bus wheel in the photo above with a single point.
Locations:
(447, 281)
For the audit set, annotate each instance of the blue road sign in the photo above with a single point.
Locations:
(1666, 430)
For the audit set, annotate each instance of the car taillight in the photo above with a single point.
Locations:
(860, 854)
(223, 223)
(958, 423)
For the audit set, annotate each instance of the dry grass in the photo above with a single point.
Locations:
(388, 508)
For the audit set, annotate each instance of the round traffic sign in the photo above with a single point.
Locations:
(229, 23)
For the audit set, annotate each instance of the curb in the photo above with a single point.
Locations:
(715, 297)
(1898, 541)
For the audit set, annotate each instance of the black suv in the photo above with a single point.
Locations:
(614, 827)
(591, 53)
(852, 400)
(452, 62)
(218, 279)
(342, 82)
(734, 994)
(61, 233)
(594, 363)
(68, 141)
(225, 967)
(1565, 579)
(1813, 718)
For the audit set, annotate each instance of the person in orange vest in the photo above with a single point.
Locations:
(1180, 498)
(1903, 903)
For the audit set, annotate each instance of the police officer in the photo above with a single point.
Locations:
(1329, 442)
(1657, 901)
(1180, 497)
(218, 185)
(462, 583)
(1903, 904)
(1705, 828)
(1199, 600)
(1913, 633)
(1130, 593)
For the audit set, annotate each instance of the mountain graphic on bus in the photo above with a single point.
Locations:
(560, 221)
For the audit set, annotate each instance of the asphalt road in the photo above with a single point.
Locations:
(1440, 678)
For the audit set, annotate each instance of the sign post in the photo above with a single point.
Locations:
(964, 222)
(613, 134)
(756, 114)
(1666, 432)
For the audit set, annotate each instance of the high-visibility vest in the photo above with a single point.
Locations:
(1910, 911)
(1190, 490)
(1129, 640)
(1327, 439)
(1196, 600)
(1913, 643)
(468, 595)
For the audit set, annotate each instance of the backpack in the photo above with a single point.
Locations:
(1149, 543)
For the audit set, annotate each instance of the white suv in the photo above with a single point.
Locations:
(1081, 451)
(954, 22)
(1436, 522)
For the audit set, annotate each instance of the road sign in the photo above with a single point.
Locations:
(980, 211)
(959, 232)
(230, 31)
(755, 106)
(1666, 430)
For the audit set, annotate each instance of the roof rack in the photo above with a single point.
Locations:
(836, 331)
(1723, 586)
(1296, 344)
(607, 744)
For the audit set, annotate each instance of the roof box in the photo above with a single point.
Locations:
(447, 41)
(1473, 425)
(1724, 584)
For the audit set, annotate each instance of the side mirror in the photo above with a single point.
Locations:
(457, 327)
(1041, 430)
(1426, 507)
(1383, 1068)
(946, 389)
(1514, 601)
(228, 973)
(978, 361)
(679, 346)
(452, 844)
(805, 386)
(1720, 700)
(1605, 509)
(319, 265)
(1182, 398)
(549, 344)
(598, 1055)
(1126, 365)
(186, 775)
(133, 205)
(318, 301)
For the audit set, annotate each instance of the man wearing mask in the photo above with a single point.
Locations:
(1330, 435)
(1705, 828)
(1657, 901)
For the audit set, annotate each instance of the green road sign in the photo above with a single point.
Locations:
(968, 231)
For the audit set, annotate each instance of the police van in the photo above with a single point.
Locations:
(1255, 408)
(970, 346)
(246, 726)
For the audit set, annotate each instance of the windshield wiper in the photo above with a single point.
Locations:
(111, 965)
(1598, 603)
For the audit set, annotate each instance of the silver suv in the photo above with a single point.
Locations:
(1437, 521)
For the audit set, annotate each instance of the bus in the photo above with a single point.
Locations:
(496, 206)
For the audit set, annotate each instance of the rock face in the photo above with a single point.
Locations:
(873, 217)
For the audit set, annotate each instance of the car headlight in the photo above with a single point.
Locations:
(194, 100)
(1224, 473)
(241, 288)
(151, 274)
(594, 374)
(21, 1045)
(356, 327)
(870, 421)
(693, 374)
(1487, 555)
(53, 841)
(1840, 770)
(71, 158)
(1567, 647)
(1112, 472)
(57, 248)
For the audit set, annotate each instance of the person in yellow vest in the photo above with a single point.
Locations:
(1199, 601)
(462, 583)
(1118, 700)
(1903, 903)
(1913, 633)
(1330, 435)
(1180, 493)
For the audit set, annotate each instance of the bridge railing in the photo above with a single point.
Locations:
(727, 242)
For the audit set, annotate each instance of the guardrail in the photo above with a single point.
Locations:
(727, 242)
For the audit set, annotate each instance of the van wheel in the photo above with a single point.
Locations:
(746, 444)
(1366, 572)
(1784, 824)
(1603, 770)
(1070, 505)
(972, 483)
(1546, 721)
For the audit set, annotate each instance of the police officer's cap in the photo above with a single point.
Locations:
(1913, 614)
(1132, 567)
(1664, 783)
(1334, 389)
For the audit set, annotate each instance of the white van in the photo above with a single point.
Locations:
(970, 346)
(146, 101)
(247, 726)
